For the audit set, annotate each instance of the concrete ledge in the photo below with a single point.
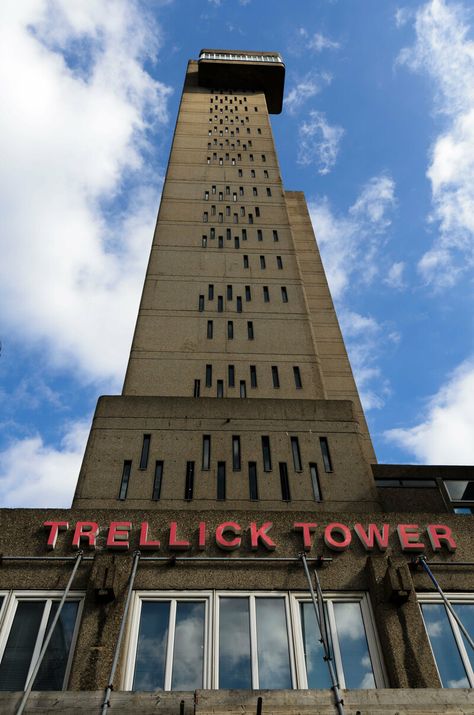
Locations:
(241, 702)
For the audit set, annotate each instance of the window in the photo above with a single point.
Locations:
(264, 158)
(213, 189)
(208, 375)
(210, 292)
(205, 217)
(252, 173)
(313, 470)
(228, 234)
(221, 242)
(297, 376)
(25, 625)
(220, 480)
(145, 451)
(259, 235)
(266, 294)
(204, 241)
(250, 333)
(452, 652)
(236, 242)
(230, 330)
(265, 172)
(157, 481)
(236, 218)
(206, 193)
(246, 261)
(279, 263)
(262, 261)
(201, 303)
(250, 218)
(251, 159)
(243, 389)
(254, 191)
(220, 218)
(248, 293)
(284, 482)
(197, 388)
(240, 172)
(244, 234)
(253, 484)
(239, 304)
(241, 190)
(189, 483)
(209, 329)
(236, 461)
(127, 467)
(266, 454)
(275, 377)
(257, 212)
(295, 450)
(229, 292)
(206, 452)
(253, 376)
(275, 236)
(269, 191)
(325, 452)
(284, 294)
(220, 388)
(213, 233)
(220, 303)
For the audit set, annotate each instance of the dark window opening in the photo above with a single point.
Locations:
(230, 329)
(266, 294)
(325, 452)
(145, 451)
(275, 236)
(243, 389)
(284, 482)
(253, 376)
(246, 261)
(250, 333)
(239, 304)
(248, 293)
(262, 261)
(189, 483)
(275, 376)
(259, 235)
(206, 452)
(297, 376)
(279, 263)
(210, 329)
(210, 292)
(221, 480)
(127, 467)
(229, 292)
(197, 388)
(220, 388)
(284, 294)
(201, 303)
(157, 481)
(208, 375)
(295, 450)
(220, 303)
(231, 375)
(236, 460)
(313, 470)
(266, 453)
(253, 485)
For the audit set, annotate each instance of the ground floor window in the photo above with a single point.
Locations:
(264, 640)
(25, 619)
(452, 652)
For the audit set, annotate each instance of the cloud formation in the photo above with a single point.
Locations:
(309, 86)
(77, 203)
(444, 52)
(319, 142)
(316, 42)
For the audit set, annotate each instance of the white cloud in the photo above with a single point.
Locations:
(81, 107)
(444, 51)
(394, 277)
(33, 474)
(444, 435)
(317, 42)
(309, 86)
(319, 142)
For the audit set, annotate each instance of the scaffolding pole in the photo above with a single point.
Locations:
(31, 679)
(321, 620)
(423, 562)
(109, 688)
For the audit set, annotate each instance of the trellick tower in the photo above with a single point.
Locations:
(238, 390)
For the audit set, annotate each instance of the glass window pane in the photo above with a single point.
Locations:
(188, 657)
(53, 668)
(316, 668)
(448, 659)
(355, 656)
(235, 669)
(465, 611)
(272, 644)
(20, 645)
(151, 649)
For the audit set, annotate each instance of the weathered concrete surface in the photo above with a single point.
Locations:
(238, 702)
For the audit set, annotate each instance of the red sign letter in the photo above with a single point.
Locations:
(257, 535)
(409, 537)
(202, 535)
(144, 543)
(228, 544)
(306, 528)
(340, 529)
(368, 539)
(173, 542)
(117, 538)
(439, 533)
(85, 530)
(55, 527)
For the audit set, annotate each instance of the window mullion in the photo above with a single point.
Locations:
(40, 637)
(333, 645)
(291, 650)
(461, 647)
(373, 643)
(253, 642)
(170, 646)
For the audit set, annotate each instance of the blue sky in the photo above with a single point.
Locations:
(377, 130)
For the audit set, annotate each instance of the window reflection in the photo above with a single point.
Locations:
(272, 638)
(353, 646)
(188, 656)
(234, 644)
(151, 648)
(448, 659)
(316, 669)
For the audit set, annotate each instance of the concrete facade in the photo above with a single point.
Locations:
(240, 421)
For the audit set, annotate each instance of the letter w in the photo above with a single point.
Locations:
(373, 535)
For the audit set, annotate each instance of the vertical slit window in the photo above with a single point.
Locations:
(230, 329)
(279, 263)
(208, 375)
(295, 450)
(221, 242)
(284, 294)
(210, 329)
(231, 375)
(205, 217)
(250, 218)
(210, 292)
(204, 241)
(236, 218)
(220, 304)
(206, 452)
(264, 158)
(157, 481)
(197, 388)
(262, 261)
(313, 470)
(297, 376)
(236, 460)
(275, 235)
(275, 377)
(250, 333)
(254, 191)
(145, 451)
(236, 242)
(269, 191)
(244, 234)
(325, 453)
(246, 261)
(253, 485)
(259, 234)
(229, 292)
(248, 293)
(228, 234)
(253, 376)
(284, 482)
(220, 388)
(266, 454)
(257, 212)
(239, 304)
(127, 468)
(189, 483)
(201, 303)
(266, 294)
(213, 233)
(221, 480)
(243, 389)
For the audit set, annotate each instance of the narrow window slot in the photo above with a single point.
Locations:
(158, 480)
(145, 451)
(325, 453)
(266, 454)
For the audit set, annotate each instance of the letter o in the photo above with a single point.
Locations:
(341, 530)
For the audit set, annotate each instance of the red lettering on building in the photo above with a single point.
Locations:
(54, 528)
(202, 536)
(409, 535)
(144, 542)
(258, 535)
(174, 543)
(85, 531)
(119, 534)
(307, 528)
(228, 544)
(440, 534)
(341, 530)
(372, 536)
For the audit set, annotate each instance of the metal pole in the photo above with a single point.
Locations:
(233, 559)
(108, 690)
(422, 560)
(31, 680)
(327, 654)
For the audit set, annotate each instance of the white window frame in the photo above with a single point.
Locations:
(292, 602)
(453, 598)
(7, 615)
